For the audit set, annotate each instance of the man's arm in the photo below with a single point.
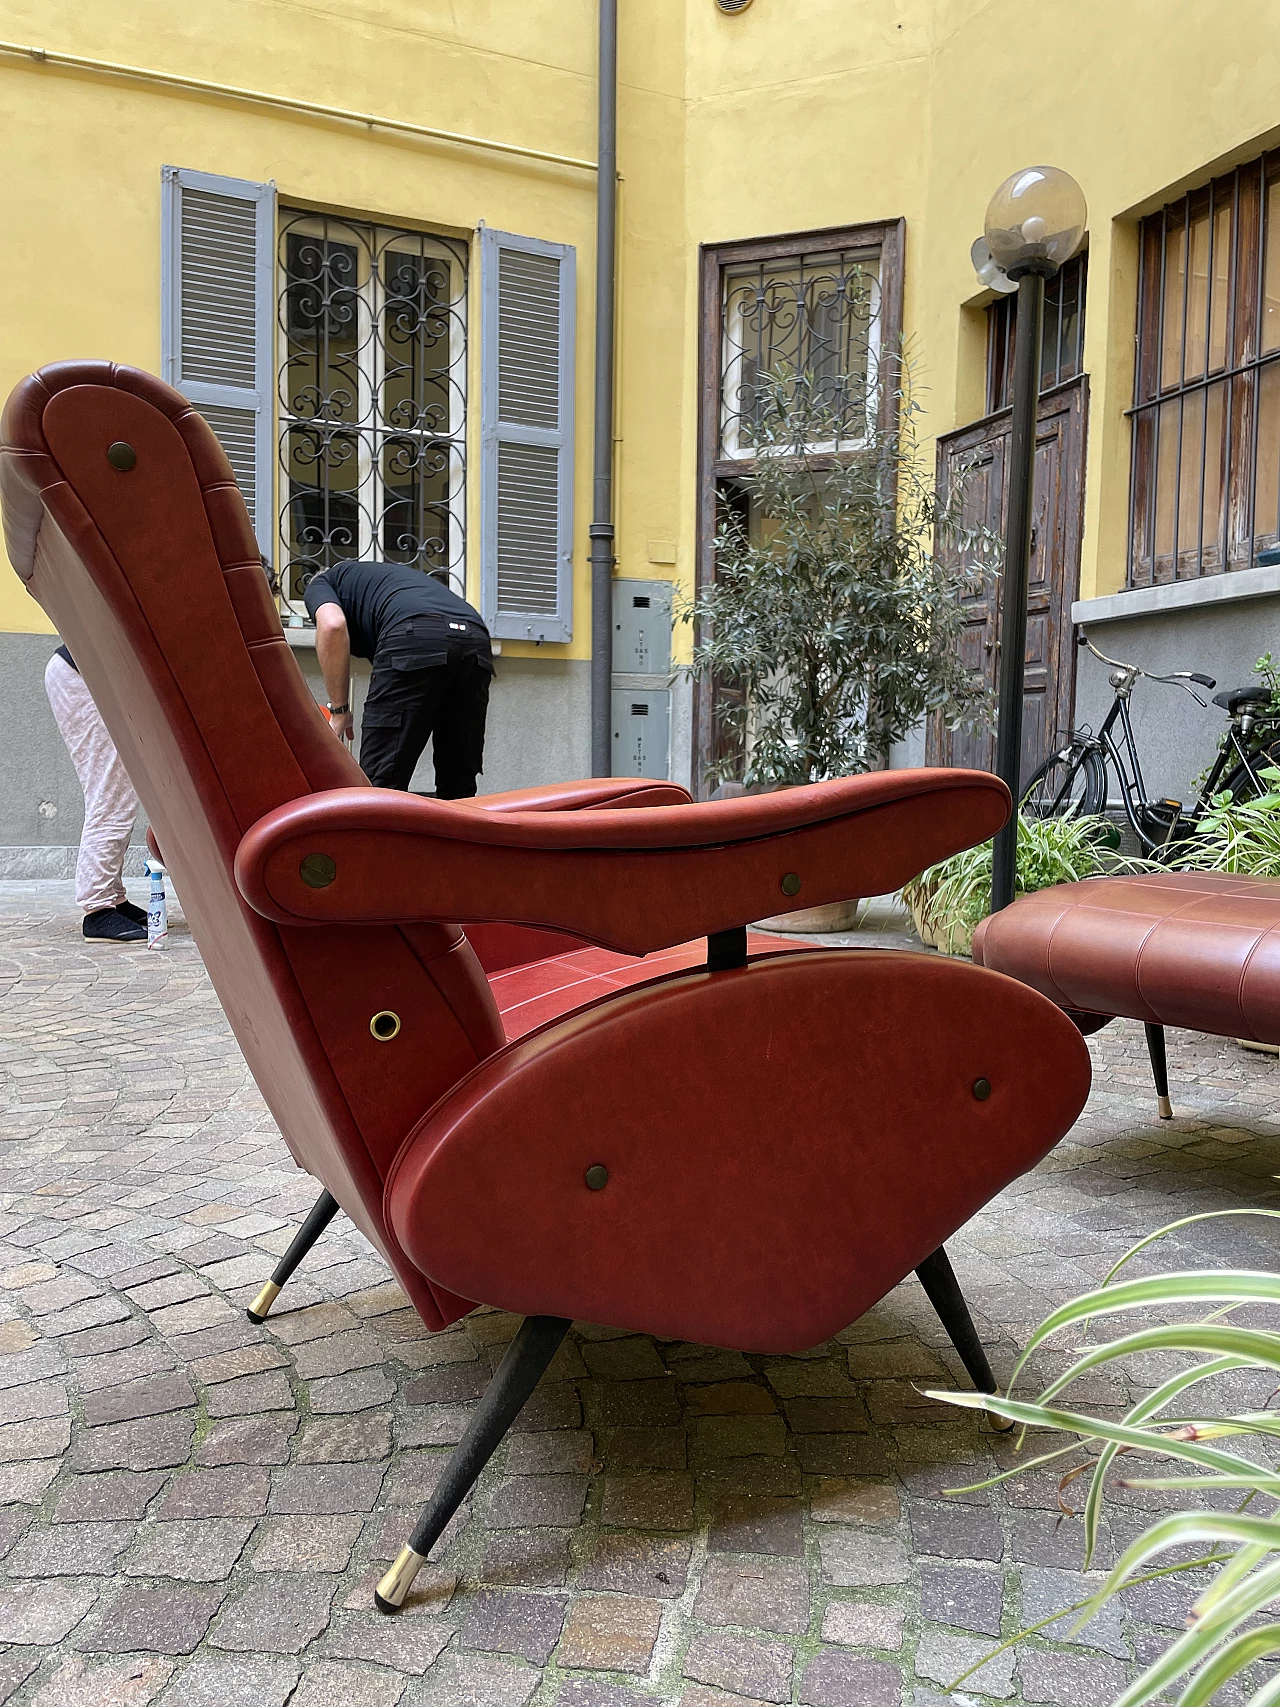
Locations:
(333, 653)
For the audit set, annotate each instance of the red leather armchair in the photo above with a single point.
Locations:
(741, 1143)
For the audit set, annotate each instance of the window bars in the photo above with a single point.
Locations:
(812, 315)
(1205, 480)
(1061, 337)
(372, 398)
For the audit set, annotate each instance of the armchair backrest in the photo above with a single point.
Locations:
(122, 515)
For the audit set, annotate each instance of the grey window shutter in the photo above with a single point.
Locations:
(218, 320)
(526, 437)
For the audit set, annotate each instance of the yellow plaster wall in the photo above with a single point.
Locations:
(794, 115)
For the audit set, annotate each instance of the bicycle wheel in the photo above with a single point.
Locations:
(1244, 783)
(1072, 783)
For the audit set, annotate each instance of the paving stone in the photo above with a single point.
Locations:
(646, 1449)
(279, 1616)
(409, 1643)
(233, 1491)
(344, 1440)
(80, 1682)
(248, 1440)
(943, 1658)
(758, 1524)
(862, 1559)
(38, 1399)
(745, 1665)
(114, 1368)
(452, 1384)
(1069, 1678)
(46, 1438)
(959, 1595)
(763, 1594)
(727, 1398)
(553, 1404)
(339, 1395)
(838, 1499)
(435, 1425)
(90, 1550)
(44, 1612)
(532, 1559)
(638, 1564)
(250, 1395)
(609, 1632)
(526, 1502)
(504, 1621)
(152, 1443)
(844, 1454)
(954, 1532)
(1043, 1591)
(1046, 1538)
(217, 1680)
(474, 1680)
(330, 1681)
(242, 1360)
(24, 1484)
(562, 1452)
(338, 1354)
(863, 1624)
(631, 1404)
(850, 1680)
(659, 1500)
(307, 1543)
(15, 1669)
(632, 1359)
(323, 1489)
(151, 1397)
(587, 1692)
(204, 1550)
(739, 1437)
(170, 1619)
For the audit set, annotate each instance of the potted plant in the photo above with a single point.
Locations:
(835, 611)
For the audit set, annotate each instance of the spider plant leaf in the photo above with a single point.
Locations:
(1098, 1428)
(1145, 1408)
(1176, 1226)
(1193, 1286)
(1233, 1572)
(1239, 1652)
(1252, 1346)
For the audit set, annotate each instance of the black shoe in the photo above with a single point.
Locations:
(132, 911)
(112, 924)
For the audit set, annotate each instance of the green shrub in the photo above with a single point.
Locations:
(1242, 839)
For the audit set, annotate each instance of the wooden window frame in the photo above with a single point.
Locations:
(1001, 320)
(888, 239)
(1243, 192)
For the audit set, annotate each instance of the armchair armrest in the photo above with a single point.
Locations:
(586, 796)
(627, 880)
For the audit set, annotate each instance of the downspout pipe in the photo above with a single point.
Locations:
(602, 558)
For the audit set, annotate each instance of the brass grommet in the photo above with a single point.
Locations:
(122, 456)
(385, 1025)
(791, 883)
(597, 1177)
(982, 1089)
(317, 871)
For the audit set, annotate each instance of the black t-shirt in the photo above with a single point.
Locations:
(377, 598)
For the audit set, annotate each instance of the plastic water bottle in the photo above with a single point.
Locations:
(157, 909)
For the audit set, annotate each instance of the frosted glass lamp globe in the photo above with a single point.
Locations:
(1035, 221)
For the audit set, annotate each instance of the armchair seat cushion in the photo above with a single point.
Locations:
(1199, 950)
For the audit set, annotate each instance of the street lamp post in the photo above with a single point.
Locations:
(1034, 223)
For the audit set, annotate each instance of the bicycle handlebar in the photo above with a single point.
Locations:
(1175, 678)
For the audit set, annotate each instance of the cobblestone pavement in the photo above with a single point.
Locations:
(195, 1509)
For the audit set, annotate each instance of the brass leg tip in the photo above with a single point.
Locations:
(258, 1310)
(1164, 1108)
(391, 1592)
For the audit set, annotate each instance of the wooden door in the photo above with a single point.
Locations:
(981, 451)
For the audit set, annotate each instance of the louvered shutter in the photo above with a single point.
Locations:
(526, 433)
(217, 320)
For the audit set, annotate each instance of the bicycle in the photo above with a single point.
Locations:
(1075, 779)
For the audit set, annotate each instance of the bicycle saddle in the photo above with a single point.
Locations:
(1231, 699)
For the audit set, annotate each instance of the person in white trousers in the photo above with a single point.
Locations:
(110, 807)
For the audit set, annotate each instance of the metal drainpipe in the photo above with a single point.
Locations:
(602, 558)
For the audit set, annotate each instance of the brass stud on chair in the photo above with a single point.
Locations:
(122, 456)
(385, 1025)
(597, 1177)
(791, 883)
(982, 1089)
(317, 871)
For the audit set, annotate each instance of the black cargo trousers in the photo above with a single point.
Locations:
(430, 682)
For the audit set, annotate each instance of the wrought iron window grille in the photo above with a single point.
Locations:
(816, 316)
(372, 399)
(1205, 473)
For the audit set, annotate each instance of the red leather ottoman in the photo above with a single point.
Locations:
(1194, 949)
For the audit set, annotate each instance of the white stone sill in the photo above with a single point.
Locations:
(1235, 585)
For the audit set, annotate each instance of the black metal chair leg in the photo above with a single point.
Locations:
(942, 1289)
(518, 1374)
(322, 1212)
(1159, 1069)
